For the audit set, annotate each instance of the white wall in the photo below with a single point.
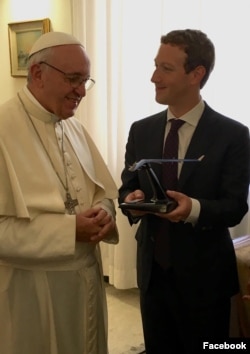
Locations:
(58, 11)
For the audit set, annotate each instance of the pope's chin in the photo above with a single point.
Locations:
(67, 113)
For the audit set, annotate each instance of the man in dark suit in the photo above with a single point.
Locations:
(188, 300)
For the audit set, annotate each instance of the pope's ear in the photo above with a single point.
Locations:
(36, 72)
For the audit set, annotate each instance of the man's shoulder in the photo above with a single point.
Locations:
(152, 119)
(220, 118)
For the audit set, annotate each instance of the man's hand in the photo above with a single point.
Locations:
(93, 225)
(247, 296)
(137, 195)
(183, 209)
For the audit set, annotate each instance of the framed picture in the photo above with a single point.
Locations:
(22, 36)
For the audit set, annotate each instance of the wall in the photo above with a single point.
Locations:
(58, 11)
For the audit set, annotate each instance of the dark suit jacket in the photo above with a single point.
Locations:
(203, 256)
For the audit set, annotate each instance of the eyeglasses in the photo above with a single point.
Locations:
(75, 80)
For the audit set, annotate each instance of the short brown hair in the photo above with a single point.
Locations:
(198, 47)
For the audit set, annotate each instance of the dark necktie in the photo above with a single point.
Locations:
(169, 181)
(170, 170)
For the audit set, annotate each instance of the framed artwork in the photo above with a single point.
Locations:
(22, 36)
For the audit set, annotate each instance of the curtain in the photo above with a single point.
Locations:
(122, 38)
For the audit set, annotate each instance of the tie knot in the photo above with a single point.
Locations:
(176, 124)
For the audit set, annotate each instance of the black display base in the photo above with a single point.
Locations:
(164, 206)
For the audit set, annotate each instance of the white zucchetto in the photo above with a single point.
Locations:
(53, 39)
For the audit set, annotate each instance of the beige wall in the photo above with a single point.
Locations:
(60, 15)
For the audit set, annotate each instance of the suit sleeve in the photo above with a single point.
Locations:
(224, 191)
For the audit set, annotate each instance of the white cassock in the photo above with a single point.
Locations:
(52, 299)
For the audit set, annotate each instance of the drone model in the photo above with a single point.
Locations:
(159, 202)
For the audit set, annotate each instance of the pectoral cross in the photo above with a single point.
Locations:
(70, 204)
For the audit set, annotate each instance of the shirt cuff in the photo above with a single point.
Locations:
(195, 212)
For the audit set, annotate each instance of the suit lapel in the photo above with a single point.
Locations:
(158, 141)
(202, 138)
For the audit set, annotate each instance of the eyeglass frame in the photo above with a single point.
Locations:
(88, 83)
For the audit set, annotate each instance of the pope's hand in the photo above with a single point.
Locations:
(93, 225)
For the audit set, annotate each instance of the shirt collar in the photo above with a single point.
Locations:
(193, 116)
(52, 117)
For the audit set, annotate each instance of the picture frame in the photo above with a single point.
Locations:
(22, 36)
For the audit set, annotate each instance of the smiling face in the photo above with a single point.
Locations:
(51, 88)
(173, 86)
